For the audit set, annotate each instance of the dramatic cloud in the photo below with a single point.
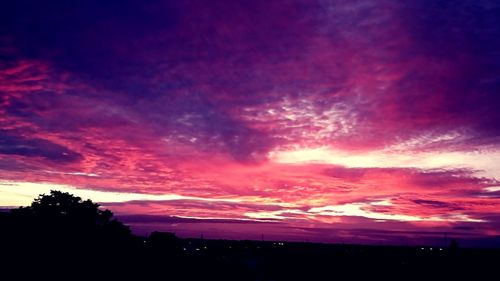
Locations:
(305, 120)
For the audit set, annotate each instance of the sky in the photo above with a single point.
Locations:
(343, 121)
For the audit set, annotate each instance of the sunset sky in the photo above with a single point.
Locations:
(349, 121)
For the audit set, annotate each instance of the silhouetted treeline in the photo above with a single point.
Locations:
(61, 233)
(61, 236)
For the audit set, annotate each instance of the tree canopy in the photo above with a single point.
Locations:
(63, 232)
(64, 206)
(60, 215)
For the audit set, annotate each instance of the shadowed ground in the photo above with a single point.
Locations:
(63, 237)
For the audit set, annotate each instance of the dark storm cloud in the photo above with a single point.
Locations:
(165, 55)
(459, 82)
(161, 60)
(83, 36)
(13, 165)
(16, 145)
(436, 204)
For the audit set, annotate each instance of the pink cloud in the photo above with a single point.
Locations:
(341, 119)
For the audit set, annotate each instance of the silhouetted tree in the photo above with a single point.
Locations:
(62, 233)
(61, 213)
(63, 228)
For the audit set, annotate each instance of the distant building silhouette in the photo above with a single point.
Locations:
(161, 239)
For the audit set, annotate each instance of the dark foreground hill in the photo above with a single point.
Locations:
(63, 237)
